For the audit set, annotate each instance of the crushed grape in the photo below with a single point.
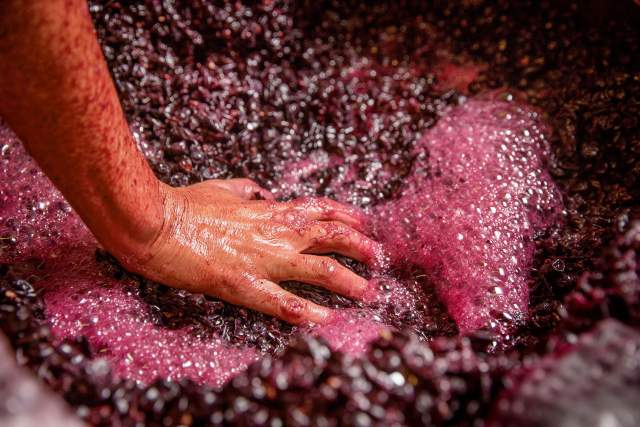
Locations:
(345, 99)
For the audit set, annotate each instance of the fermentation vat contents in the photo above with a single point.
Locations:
(369, 104)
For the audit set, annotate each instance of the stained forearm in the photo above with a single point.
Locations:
(57, 95)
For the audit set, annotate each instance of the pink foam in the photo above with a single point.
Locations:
(32, 210)
(82, 302)
(470, 210)
(350, 331)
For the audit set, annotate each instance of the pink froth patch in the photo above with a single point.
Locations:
(80, 301)
(478, 194)
(34, 217)
(350, 331)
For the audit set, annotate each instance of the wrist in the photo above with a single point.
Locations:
(132, 236)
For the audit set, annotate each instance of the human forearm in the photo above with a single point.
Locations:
(57, 95)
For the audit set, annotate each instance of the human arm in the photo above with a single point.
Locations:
(57, 95)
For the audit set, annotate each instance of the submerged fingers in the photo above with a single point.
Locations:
(335, 237)
(269, 298)
(325, 272)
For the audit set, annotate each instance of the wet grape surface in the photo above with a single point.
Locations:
(334, 99)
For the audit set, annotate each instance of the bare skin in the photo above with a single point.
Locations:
(227, 238)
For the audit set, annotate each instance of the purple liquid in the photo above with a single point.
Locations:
(466, 219)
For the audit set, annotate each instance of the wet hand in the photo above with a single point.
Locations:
(217, 238)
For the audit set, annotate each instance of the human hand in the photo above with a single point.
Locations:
(210, 237)
(217, 239)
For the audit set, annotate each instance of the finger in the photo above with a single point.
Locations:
(328, 273)
(244, 188)
(269, 298)
(324, 209)
(335, 237)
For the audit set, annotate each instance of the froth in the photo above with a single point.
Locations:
(478, 193)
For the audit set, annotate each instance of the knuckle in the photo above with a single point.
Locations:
(292, 307)
(336, 231)
(318, 230)
(293, 218)
(326, 268)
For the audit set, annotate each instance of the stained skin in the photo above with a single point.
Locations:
(215, 237)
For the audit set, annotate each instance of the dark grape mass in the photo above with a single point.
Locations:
(337, 99)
